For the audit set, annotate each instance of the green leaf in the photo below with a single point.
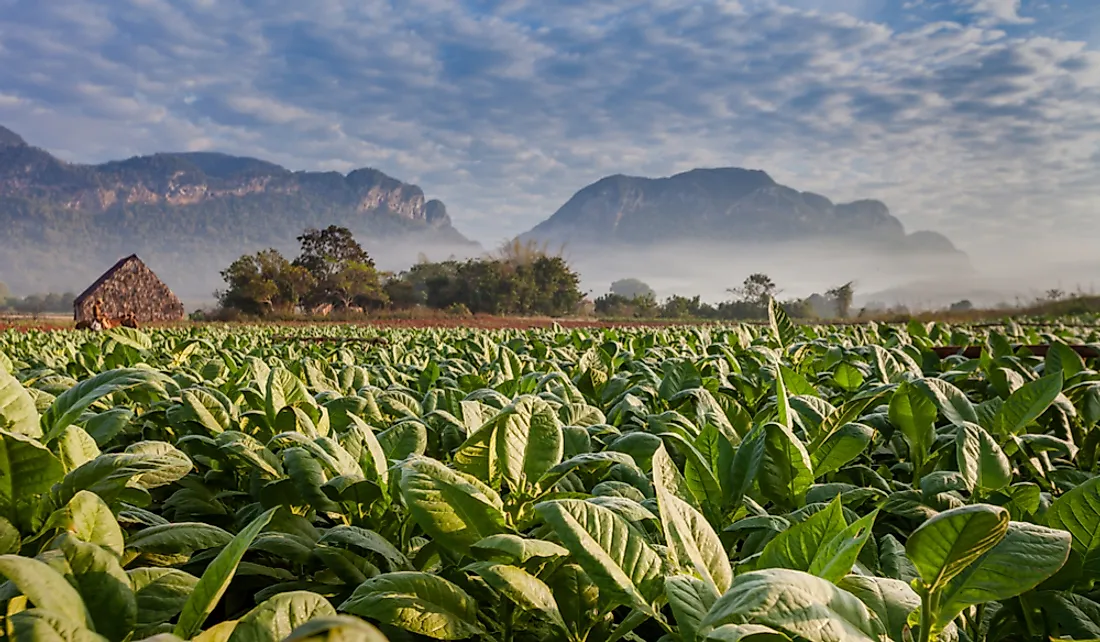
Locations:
(69, 405)
(1026, 556)
(949, 542)
(835, 559)
(981, 461)
(363, 541)
(455, 509)
(39, 625)
(161, 593)
(951, 402)
(90, 519)
(417, 602)
(337, 628)
(797, 604)
(18, 413)
(797, 547)
(513, 549)
(526, 443)
(745, 633)
(180, 538)
(785, 331)
(277, 617)
(691, 599)
(104, 586)
(617, 558)
(215, 580)
(686, 530)
(914, 413)
(786, 472)
(45, 588)
(521, 587)
(891, 600)
(283, 389)
(841, 447)
(75, 447)
(1078, 512)
(27, 469)
(1028, 402)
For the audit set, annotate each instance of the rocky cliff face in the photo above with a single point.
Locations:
(183, 210)
(722, 205)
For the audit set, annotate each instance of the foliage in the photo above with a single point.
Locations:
(632, 289)
(810, 483)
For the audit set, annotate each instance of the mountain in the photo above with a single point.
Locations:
(189, 215)
(724, 205)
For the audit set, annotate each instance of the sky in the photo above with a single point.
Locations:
(976, 118)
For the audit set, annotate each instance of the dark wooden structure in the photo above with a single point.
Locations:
(129, 290)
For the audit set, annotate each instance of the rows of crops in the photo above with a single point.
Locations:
(680, 484)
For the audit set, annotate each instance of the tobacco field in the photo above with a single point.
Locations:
(685, 484)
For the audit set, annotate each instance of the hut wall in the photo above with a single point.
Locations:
(131, 288)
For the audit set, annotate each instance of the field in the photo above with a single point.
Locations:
(679, 484)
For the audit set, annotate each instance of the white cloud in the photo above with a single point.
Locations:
(505, 113)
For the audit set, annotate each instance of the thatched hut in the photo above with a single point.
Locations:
(129, 288)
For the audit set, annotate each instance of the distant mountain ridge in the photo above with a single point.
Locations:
(182, 210)
(723, 205)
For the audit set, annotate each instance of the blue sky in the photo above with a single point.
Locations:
(979, 118)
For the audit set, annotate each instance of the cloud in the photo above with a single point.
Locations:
(963, 115)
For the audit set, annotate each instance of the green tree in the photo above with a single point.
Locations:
(756, 289)
(343, 273)
(262, 283)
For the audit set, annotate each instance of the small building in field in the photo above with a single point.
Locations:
(129, 288)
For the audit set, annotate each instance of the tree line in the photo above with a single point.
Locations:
(52, 302)
(333, 273)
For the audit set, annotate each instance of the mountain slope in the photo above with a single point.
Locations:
(189, 214)
(723, 205)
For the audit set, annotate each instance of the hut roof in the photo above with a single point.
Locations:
(106, 275)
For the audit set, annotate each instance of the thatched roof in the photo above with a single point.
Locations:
(130, 287)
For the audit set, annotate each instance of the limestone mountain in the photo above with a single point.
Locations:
(188, 214)
(723, 205)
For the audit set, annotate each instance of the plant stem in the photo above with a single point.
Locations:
(927, 605)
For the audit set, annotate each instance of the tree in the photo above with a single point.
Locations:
(841, 297)
(756, 289)
(343, 273)
(632, 289)
(264, 282)
(328, 251)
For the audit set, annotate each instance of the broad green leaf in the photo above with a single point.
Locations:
(45, 588)
(952, 403)
(513, 549)
(105, 587)
(797, 604)
(949, 542)
(687, 532)
(836, 557)
(69, 405)
(215, 580)
(90, 519)
(1026, 556)
(160, 593)
(981, 461)
(1028, 402)
(180, 538)
(841, 447)
(691, 599)
(797, 547)
(616, 556)
(786, 472)
(417, 602)
(526, 443)
(452, 508)
(40, 625)
(526, 590)
(27, 469)
(279, 616)
(336, 628)
(891, 600)
(363, 541)
(1078, 512)
(745, 633)
(914, 413)
(18, 413)
(786, 332)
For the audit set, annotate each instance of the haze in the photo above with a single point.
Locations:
(977, 118)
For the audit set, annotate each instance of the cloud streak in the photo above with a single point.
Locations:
(975, 117)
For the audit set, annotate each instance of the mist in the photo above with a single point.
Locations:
(992, 275)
